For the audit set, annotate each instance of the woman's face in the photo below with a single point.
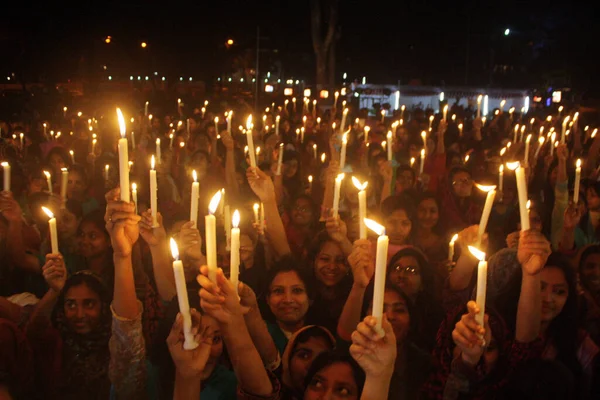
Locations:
(215, 350)
(75, 185)
(406, 275)
(404, 181)
(398, 227)
(288, 299)
(396, 311)
(303, 356)
(36, 185)
(590, 273)
(555, 292)
(302, 213)
(93, 241)
(593, 200)
(330, 264)
(336, 381)
(67, 224)
(82, 309)
(462, 184)
(290, 168)
(246, 250)
(56, 163)
(428, 213)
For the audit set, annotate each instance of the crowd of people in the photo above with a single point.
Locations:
(101, 318)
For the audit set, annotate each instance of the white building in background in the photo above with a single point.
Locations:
(429, 96)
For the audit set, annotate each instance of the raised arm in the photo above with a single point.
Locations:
(461, 275)
(362, 264)
(156, 238)
(263, 187)
(338, 232)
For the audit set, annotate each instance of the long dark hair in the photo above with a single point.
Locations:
(591, 250)
(432, 196)
(427, 277)
(328, 358)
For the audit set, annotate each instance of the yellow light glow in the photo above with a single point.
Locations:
(121, 120)
(249, 125)
(478, 254)
(578, 163)
(374, 226)
(174, 249)
(358, 185)
(49, 213)
(485, 188)
(134, 187)
(454, 238)
(235, 219)
(47, 174)
(144, 45)
(310, 179)
(214, 202)
(513, 165)
(152, 162)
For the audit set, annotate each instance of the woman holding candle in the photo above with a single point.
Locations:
(399, 213)
(428, 235)
(460, 209)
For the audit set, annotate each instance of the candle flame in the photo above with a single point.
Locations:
(134, 187)
(517, 128)
(566, 119)
(578, 163)
(345, 138)
(174, 249)
(460, 126)
(323, 157)
(389, 136)
(358, 185)
(64, 169)
(49, 213)
(467, 158)
(528, 138)
(424, 135)
(152, 162)
(249, 122)
(310, 179)
(454, 238)
(513, 165)
(430, 118)
(315, 146)
(502, 151)
(478, 254)
(594, 132)
(541, 140)
(340, 177)
(485, 188)
(422, 152)
(195, 176)
(4, 164)
(523, 129)
(122, 127)
(235, 219)
(528, 204)
(214, 202)
(367, 129)
(412, 161)
(47, 174)
(255, 207)
(374, 226)
(479, 98)
(501, 168)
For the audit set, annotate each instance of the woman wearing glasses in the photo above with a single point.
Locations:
(460, 208)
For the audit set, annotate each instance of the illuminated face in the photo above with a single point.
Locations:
(404, 181)
(555, 292)
(428, 213)
(330, 264)
(82, 309)
(216, 349)
(406, 275)
(590, 273)
(56, 163)
(593, 200)
(303, 356)
(93, 242)
(75, 185)
(288, 299)
(290, 168)
(462, 184)
(302, 213)
(333, 382)
(398, 227)
(66, 224)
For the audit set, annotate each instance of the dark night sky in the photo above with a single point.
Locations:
(386, 41)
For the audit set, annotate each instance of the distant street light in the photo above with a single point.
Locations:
(506, 32)
(108, 39)
(229, 42)
(144, 45)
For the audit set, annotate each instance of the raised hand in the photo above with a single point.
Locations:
(572, 217)
(512, 240)
(227, 140)
(190, 363)
(336, 229)
(121, 223)
(469, 237)
(562, 152)
(362, 263)
(10, 208)
(386, 171)
(533, 251)
(471, 337)
(190, 242)
(477, 124)
(219, 300)
(375, 354)
(261, 184)
(247, 298)
(152, 236)
(55, 272)
(442, 127)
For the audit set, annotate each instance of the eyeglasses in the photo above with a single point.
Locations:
(464, 182)
(410, 270)
(302, 209)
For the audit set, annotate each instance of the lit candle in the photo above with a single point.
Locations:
(48, 180)
(45, 126)
(250, 139)
(479, 98)
(367, 130)
(256, 208)
(6, 169)
(134, 195)
(229, 120)
(203, 110)
(217, 125)
(106, 174)
(362, 206)
(234, 259)
(500, 178)
(336, 194)
(382, 116)
(123, 159)
(481, 283)
(389, 146)
(564, 129)
(577, 181)
(53, 232)
(64, 175)
(335, 95)
(560, 110)
(153, 193)
(522, 190)
(502, 103)
(314, 109)
(343, 124)
(277, 118)
(310, 181)
(451, 247)
(402, 112)
(211, 237)
(72, 154)
(315, 151)
(430, 121)
(412, 162)
(460, 130)
(227, 226)
(541, 140)
(380, 270)
(304, 122)
(553, 143)
(343, 151)
(94, 141)
(526, 160)
(522, 133)
(515, 136)
(294, 104)
(194, 199)
(280, 159)
(158, 155)
(422, 162)
(21, 137)
(487, 209)
(146, 109)
(182, 298)
(424, 138)
(446, 113)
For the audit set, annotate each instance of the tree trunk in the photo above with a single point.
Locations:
(331, 66)
(322, 45)
(321, 60)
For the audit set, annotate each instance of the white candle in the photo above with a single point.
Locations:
(153, 193)
(460, 130)
(362, 206)
(294, 104)
(522, 190)
(526, 160)
(250, 139)
(158, 155)
(516, 135)
(343, 151)
(343, 124)
(336, 194)
(262, 216)
(501, 178)
(382, 116)
(277, 118)
(367, 129)
(53, 232)
(541, 140)
(280, 159)
(106, 176)
(234, 263)
(123, 159)
(194, 199)
(451, 247)
(552, 143)
(48, 180)
(203, 111)
(380, 270)
(481, 283)
(422, 166)
(335, 95)
(182, 298)
(217, 125)
(430, 121)
(21, 136)
(255, 208)
(577, 182)
(424, 138)
(502, 103)
(134, 195)
(564, 129)
(146, 109)
(314, 109)
(94, 146)
(487, 209)
(211, 237)
(304, 122)
(64, 175)
(227, 226)
(302, 135)
(45, 126)
(479, 98)
(446, 113)
(389, 146)
(6, 169)
(229, 120)
(310, 181)
(315, 151)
